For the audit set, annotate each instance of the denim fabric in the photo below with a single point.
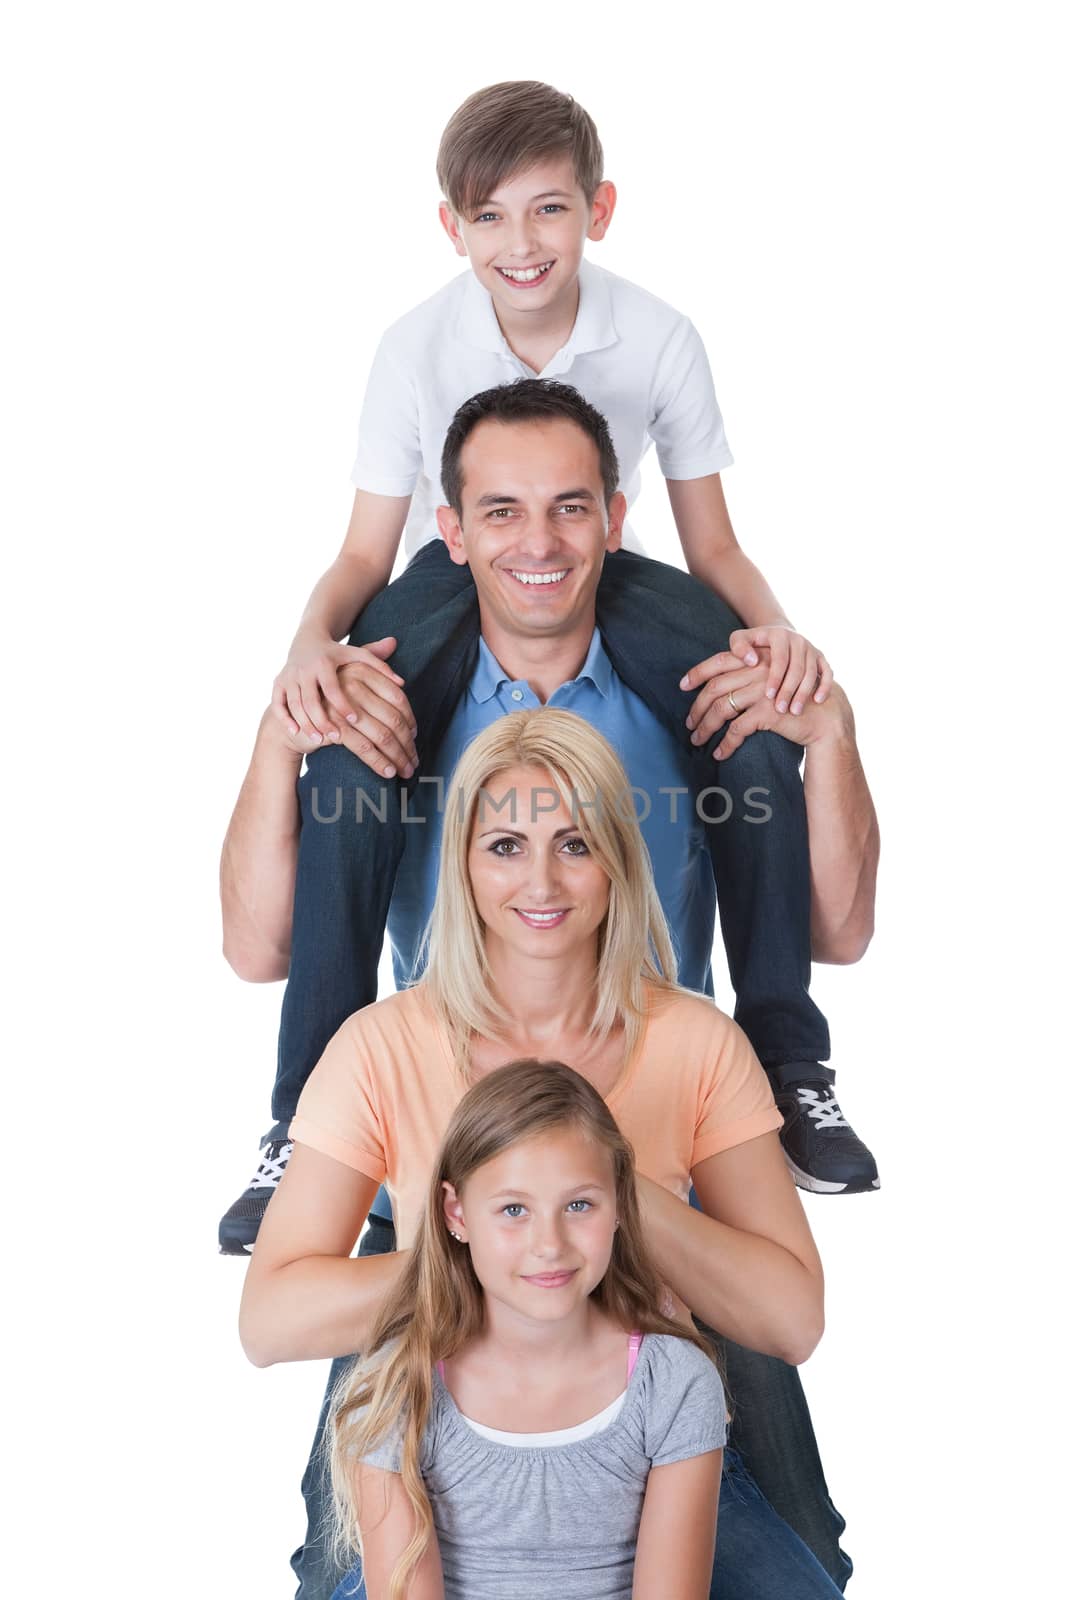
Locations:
(758, 1555)
(655, 623)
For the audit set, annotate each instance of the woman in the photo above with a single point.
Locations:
(547, 940)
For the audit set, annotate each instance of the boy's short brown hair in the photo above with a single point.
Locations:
(507, 128)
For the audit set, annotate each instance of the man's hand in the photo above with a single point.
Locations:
(815, 725)
(798, 672)
(307, 694)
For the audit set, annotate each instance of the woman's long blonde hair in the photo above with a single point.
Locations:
(633, 941)
(439, 1306)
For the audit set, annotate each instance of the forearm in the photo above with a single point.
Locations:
(257, 865)
(713, 555)
(341, 594)
(316, 1308)
(844, 842)
(743, 1285)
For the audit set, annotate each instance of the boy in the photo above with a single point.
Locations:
(520, 166)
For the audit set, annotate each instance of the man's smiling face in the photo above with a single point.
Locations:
(534, 526)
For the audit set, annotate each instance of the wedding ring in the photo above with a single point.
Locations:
(732, 703)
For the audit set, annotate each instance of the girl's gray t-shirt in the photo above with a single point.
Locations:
(535, 1521)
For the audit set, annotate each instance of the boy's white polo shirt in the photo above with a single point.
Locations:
(640, 362)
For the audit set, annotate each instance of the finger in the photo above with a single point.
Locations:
(806, 686)
(377, 648)
(722, 712)
(706, 671)
(741, 641)
(378, 747)
(714, 697)
(367, 693)
(279, 704)
(825, 679)
(793, 673)
(742, 728)
(779, 653)
(314, 705)
(299, 713)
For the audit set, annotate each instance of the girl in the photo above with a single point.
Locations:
(529, 1296)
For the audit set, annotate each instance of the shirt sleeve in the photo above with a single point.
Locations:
(685, 420)
(389, 455)
(686, 1415)
(339, 1110)
(735, 1099)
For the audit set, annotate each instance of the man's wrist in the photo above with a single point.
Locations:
(273, 744)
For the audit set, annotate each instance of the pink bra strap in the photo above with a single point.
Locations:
(441, 1371)
(634, 1341)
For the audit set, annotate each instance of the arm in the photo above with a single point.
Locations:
(305, 1297)
(713, 554)
(746, 1264)
(387, 1521)
(306, 691)
(841, 821)
(257, 864)
(674, 1554)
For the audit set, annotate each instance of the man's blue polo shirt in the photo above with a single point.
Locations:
(674, 835)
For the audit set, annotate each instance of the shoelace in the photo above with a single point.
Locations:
(274, 1158)
(822, 1107)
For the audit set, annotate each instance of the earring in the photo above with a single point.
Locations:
(456, 1235)
(616, 1223)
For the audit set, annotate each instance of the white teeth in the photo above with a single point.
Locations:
(527, 274)
(540, 916)
(540, 577)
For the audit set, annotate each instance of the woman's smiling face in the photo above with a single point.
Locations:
(537, 888)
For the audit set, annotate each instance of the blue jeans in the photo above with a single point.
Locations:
(760, 1555)
(655, 623)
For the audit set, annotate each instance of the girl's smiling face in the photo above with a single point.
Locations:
(537, 888)
(539, 1220)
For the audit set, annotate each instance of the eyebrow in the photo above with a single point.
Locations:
(514, 833)
(495, 499)
(548, 194)
(521, 1194)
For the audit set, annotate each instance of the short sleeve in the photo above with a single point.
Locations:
(389, 455)
(735, 1100)
(339, 1111)
(685, 420)
(686, 1414)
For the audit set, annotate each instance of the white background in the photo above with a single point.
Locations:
(212, 211)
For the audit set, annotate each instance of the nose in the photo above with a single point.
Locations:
(523, 237)
(544, 885)
(538, 539)
(547, 1240)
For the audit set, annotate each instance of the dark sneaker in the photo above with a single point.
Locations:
(240, 1223)
(822, 1151)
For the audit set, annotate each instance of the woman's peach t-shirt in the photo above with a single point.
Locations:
(380, 1098)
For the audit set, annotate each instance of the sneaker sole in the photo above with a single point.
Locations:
(233, 1247)
(805, 1180)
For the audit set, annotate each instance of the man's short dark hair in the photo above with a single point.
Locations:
(527, 400)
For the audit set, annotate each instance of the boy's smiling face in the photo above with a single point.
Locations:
(525, 241)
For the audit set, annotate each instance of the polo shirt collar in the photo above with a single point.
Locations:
(489, 675)
(594, 328)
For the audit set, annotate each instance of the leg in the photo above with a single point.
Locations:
(656, 622)
(313, 1563)
(772, 1431)
(758, 1557)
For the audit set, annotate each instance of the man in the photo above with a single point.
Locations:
(531, 474)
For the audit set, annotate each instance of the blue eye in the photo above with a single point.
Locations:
(487, 216)
(586, 1204)
(513, 1210)
(552, 206)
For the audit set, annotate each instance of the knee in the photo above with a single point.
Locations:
(338, 787)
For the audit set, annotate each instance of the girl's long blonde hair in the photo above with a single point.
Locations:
(633, 941)
(439, 1306)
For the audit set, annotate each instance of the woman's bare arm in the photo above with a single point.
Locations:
(674, 1555)
(746, 1264)
(305, 1298)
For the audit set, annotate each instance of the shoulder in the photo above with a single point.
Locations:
(404, 1017)
(407, 340)
(687, 1016)
(631, 300)
(681, 1386)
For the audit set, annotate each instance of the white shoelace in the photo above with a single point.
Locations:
(821, 1108)
(271, 1167)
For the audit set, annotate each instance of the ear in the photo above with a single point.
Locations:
(451, 532)
(618, 510)
(450, 223)
(453, 1211)
(601, 210)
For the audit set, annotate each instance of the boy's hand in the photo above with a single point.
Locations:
(309, 699)
(798, 672)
